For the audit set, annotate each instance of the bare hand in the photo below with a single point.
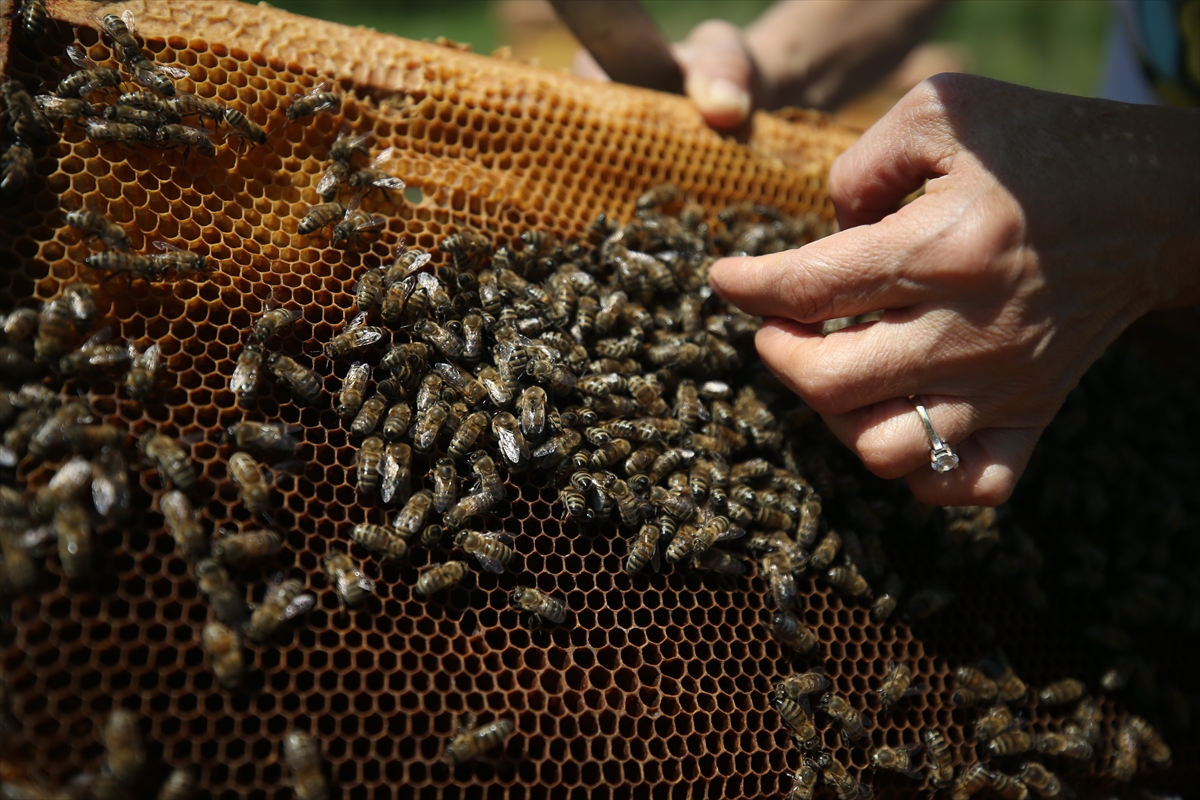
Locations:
(1049, 224)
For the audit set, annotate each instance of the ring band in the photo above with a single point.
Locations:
(941, 455)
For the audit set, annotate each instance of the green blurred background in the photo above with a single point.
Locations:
(1048, 44)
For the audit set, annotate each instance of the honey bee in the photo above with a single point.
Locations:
(184, 525)
(995, 721)
(180, 785)
(369, 290)
(1125, 756)
(806, 683)
(436, 577)
(275, 321)
(303, 757)
(74, 532)
(243, 128)
(303, 382)
(88, 79)
(471, 742)
(469, 506)
(106, 132)
(810, 516)
(110, 484)
(351, 584)
(370, 458)
(112, 234)
(467, 249)
(849, 580)
(540, 606)
(1010, 743)
(397, 421)
(266, 437)
(317, 99)
(643, 549)
(239, 550)
(826, 551)
(445, 483)
(938, 758)
(95, 355)
(25, 119)
(33, 18)
(183, 104)
(225, 597)
(780, 578)
(396, 473)
(793, 633)
(170, 460)
(897, 759)
(848, 720)
(125, 755)
(382, 539)
(332, 180)
(1008, 787)
(974, 779)
(244, 383)
(489, 549)
(1060, 692)
(845, 785)
(433, 535)
(374, 177)
(798, 717)
(1062, 745)
(1085, 722)
(355, 221)
(462, 382)
(1041, 780)
(473, 329)
(354, 340)
(224, 645)
(886, 602)
(499, 389)
(804, 783)
(982, 687)
(121, 28)
(1151, 741)
(532, 410)
(511, 442)
(57, 109)
(467, 435)
(410, 519)
(320, 216)
(142, 375)
(345, 146)
(177, 260)
(367, 419)
(897, 684)
(429, 424)
(251, 482)
(20, 324)
(658, 197)
(282, 603)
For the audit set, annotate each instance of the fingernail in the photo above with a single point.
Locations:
(720, 97)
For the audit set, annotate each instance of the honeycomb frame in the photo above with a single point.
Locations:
(657, 681)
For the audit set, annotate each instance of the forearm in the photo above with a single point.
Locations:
(821, 53)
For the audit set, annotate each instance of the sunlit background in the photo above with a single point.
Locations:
(1049, 44)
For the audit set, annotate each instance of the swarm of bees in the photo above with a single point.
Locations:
(606, 366)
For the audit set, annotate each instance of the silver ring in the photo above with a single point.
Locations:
(941, 455)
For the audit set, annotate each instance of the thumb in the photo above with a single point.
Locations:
(718, 72)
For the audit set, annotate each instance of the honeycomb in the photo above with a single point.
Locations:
(661, 683)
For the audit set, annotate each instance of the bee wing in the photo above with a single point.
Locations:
(489, 564)
(352, 206)
(367, 336)
(174, 72)
(357, 321)
(385, 155)
(299, 605)
(500, 536)
(79, 57)
(151, 358)
(732, 533)
(129, 20)
(101, 336)
(328, 182)
(390, 182)
(509, 445)
(36, 537)
(166, 246)
(418, 263)
(427, 281)
(364, 583)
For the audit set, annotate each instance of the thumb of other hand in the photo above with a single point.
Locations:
(718, 73)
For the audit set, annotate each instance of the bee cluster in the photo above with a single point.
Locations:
(526, 446)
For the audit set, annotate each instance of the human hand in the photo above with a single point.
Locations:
(1048, 225)
(814, 54)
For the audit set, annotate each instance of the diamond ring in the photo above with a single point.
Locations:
(941, 455)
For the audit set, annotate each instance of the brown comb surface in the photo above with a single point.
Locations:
(657, 684)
